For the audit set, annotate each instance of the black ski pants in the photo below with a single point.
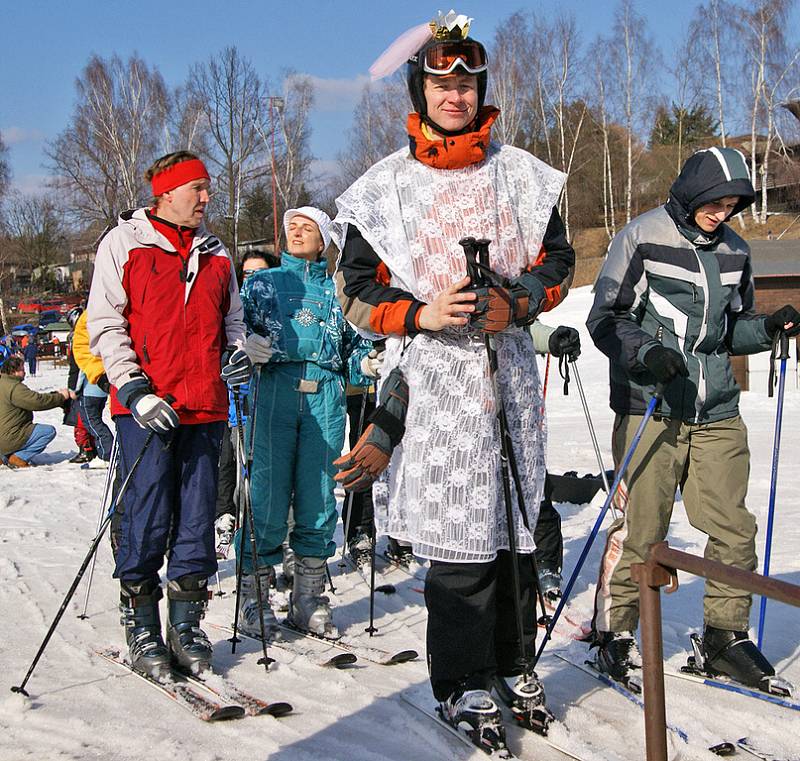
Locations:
(472, 630)
(227, 474)
(547, 534)
(359, 505)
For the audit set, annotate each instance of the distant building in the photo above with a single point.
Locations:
(776, 271)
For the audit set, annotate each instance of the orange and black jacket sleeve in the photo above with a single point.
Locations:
(366, 279)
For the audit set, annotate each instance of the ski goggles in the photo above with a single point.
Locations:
(444, 57)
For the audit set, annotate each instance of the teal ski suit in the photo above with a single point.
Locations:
(299, 406)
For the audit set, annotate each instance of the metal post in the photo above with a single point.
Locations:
(650, 577)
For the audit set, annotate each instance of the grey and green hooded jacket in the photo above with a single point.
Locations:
(666, 281)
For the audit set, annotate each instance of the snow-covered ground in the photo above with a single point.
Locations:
(83, 708)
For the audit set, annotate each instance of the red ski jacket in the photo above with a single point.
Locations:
(165, 314)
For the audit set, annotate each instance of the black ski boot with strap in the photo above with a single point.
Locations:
(138, 603)
(524, 695)
(733, 654)
(188, 644)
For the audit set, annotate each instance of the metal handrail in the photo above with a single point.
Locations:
(660, 570)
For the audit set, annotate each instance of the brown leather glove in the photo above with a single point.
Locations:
(370, 456)
(496, 308)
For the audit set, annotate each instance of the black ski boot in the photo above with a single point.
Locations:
(550, 584)
(618, 657)
(475, 714)
(733, 654)
(360, 549)
(524, 695)
(138, 603)
(188, 643)
(400, 554)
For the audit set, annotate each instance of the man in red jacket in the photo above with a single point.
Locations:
(163, 309)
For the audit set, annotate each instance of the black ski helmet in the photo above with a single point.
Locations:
(73, 315)
(415, 79)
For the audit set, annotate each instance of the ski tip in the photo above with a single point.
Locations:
(724, 748)
(278, 709)
(341, 660)
(404, 656)
(227, 712)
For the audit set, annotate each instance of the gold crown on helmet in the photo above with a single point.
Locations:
(453, 26)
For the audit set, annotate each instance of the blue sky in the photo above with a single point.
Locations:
(45, 45)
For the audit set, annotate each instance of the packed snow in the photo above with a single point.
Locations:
(82, 707)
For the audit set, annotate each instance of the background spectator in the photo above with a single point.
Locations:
(20, 438)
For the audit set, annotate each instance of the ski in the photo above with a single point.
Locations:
(196, 700)
(758, 751)
(422, 699)
(700, 677)
(371, 654)
(723, 748)
(338, 661)
(228, 692)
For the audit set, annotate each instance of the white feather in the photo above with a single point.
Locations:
(406, 45)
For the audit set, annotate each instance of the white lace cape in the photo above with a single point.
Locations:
(443, 490)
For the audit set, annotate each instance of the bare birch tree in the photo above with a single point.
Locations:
(634, 55)
(510, 83)
(378, 129)
(35, 227)
(100, 158)
(772, 68)
(231, 97)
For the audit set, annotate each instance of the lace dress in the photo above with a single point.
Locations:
(443, 491)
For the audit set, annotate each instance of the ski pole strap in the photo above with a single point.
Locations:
(563, 371)
(779, 350)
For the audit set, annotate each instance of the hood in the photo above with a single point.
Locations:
(706, 176)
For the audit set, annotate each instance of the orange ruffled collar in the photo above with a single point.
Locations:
(451, 152)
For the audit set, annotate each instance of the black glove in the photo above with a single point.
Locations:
(777, 320)
(237, 370)
(565, 342)
(665, 364)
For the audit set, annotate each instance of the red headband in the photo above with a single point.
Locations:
(178, 174)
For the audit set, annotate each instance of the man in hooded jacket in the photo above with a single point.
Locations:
(673, 301)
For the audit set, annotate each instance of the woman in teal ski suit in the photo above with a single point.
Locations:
(299, 417)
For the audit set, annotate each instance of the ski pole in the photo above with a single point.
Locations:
(242, 461)
(85, 564)
(776, 446)
(248, 515)
(351, 494)
(506, 453)
(659, 390)
(592, 434)
(112, 464)
(371, 628)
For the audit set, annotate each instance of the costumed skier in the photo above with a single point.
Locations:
(401, 223)
(163, 307)
(673, 302)
(298, 414)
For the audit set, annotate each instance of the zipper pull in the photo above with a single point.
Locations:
(694, 294)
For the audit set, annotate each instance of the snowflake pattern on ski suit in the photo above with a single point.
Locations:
(296, 305)
(442, 490)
